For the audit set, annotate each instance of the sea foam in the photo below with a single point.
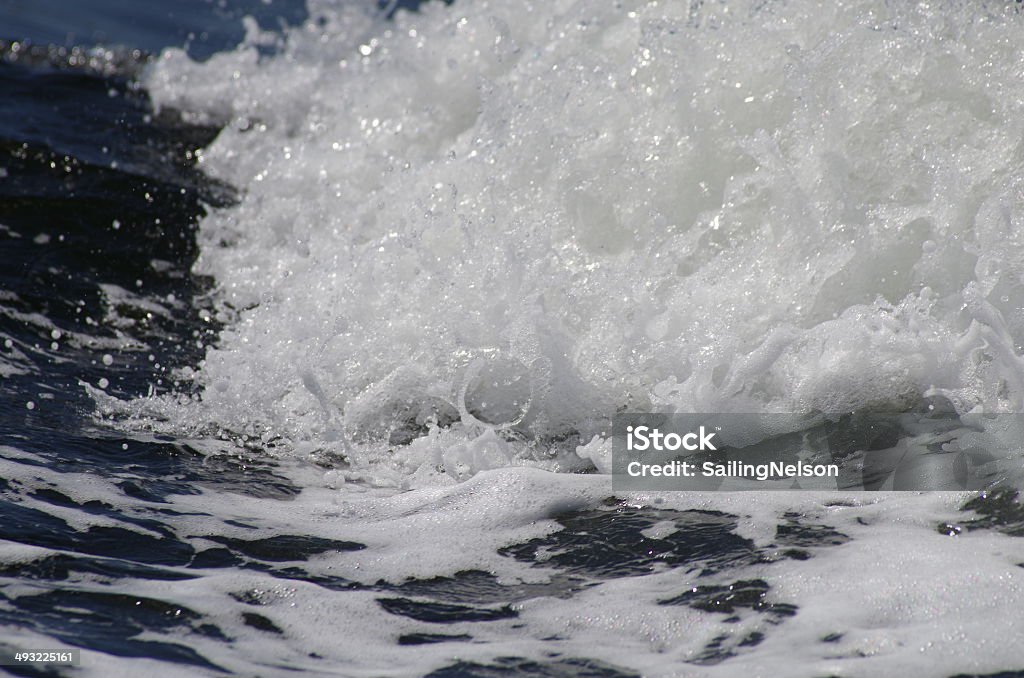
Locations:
(466, 237)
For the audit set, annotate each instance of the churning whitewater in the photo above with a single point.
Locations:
(467, 236)
(522, 218)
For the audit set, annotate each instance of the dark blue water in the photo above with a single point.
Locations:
(97, 193)
(203, 26)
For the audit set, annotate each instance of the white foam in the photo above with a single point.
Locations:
(900, 595)
(469, 236)
(526, 218)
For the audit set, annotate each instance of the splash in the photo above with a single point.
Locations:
(470, 235)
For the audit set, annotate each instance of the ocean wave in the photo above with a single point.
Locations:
(470, 234)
